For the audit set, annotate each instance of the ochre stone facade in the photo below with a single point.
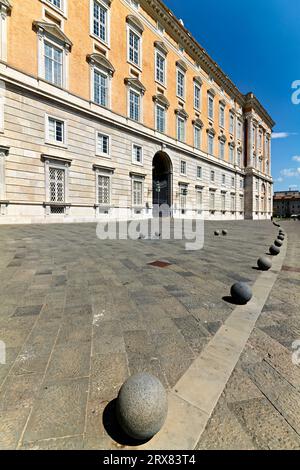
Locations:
(83, 114)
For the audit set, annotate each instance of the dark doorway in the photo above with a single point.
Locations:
(162, 181)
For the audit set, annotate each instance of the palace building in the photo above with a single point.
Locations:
(109, 107)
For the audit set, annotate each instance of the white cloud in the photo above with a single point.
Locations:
(293, 186)
(279, 180)
(282, 135)
(296, 158)
(290, 172)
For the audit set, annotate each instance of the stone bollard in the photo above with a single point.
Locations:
(241, 293)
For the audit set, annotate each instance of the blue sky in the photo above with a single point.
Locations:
(257, 44)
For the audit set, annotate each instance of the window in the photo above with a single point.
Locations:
(231, 154)
(100, 88)
(239, 130)
(231, 123)
(160, 68)
(241, 203)
(197, 137)
(134, 48)
(53, 57)
(56, 184)
(103, 189)
(223, 202)
(134, 105)
(55, 130)
(57, 3)
(257, 204)
(183, 197)
(232, 203)
(210, 106)
(4, 11)
(222, 116)
(180, 84)
(197, 96)
(100, 21)
(212, 200)
(199, 172)
(160, 28)
(260, 140)
(102, 144)
(222, 150)
(137, 189)
(137, 154)
(232, 182)
(256, 185)
(210, 144)
(239, 158)
(241, 184)
(180, 129)
(199, 199)
(267, 167)
(183, 167)
(160, 118)
(223, 179)
(212, 176)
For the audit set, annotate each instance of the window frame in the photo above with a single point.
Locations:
(106, 174)
(183, 163)
(157, 105)
(212, 98)
(210, 139)
(199, 130)
(183, 121)
(133, 159)
(221, 149)
(231, 123)
(164, 57)
(179, 70)
(48, 140)
(197, 87)
(201, 172)
(100, 71)
(222, 109)
(97, 151)
(62, 11)
(54, 45)
(140, 95)
(106, 6)
(135, 31)
(138, 180)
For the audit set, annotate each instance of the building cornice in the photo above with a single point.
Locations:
(199, 54)
(6, 4)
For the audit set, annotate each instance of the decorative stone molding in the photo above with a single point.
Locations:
(108, 169)
(162, 100)
(198, 80)
(222, 102)
(197, 122)
(211, 92)
(232, 144)
(181, 64)
(222, 138)
(134, 174)
(135, 22)
(211, 131)
(161, 47)
(4, 150)
(135, 83)
(42, 27)
(5, 6)
(182, 113)
(65, 161)
(102, 62)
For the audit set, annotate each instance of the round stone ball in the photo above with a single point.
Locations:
(241, 293)
(274, 250)
(224, 233)
(281, 232)
(264, 263)
(281, 237)
(217, 233)
(142, 406)
(278, 243)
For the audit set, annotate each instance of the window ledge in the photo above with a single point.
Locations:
(103, 43)
(56, 144)
(57, 204)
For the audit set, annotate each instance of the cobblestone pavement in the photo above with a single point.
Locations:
(79, 315)
(260, 406)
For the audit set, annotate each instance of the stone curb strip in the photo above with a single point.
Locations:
(194, 397)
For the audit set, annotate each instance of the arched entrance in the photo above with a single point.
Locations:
(162, 181)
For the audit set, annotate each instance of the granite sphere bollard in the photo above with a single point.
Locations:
(274, 250)
(241, 293)
(264, 263)
(142, 406)
(224, 233)
(278, 243)
(281, 237)
(217, 233)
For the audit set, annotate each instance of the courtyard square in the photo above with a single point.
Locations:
(79, 315)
